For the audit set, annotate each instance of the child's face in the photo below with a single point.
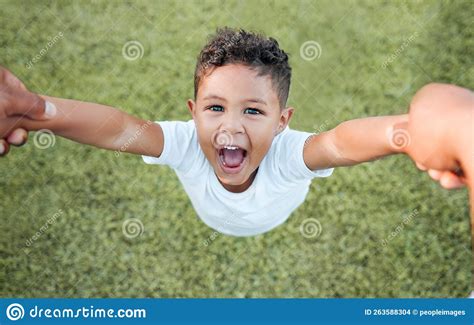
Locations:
(235, 107)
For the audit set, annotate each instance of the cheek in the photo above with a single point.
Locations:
(206, 127)
(204, 134)
(261, 143)
(261, 135)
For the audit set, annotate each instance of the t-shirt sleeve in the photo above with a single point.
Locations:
(180, 145)
(289, 154)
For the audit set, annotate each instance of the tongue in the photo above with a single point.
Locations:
(233, 158)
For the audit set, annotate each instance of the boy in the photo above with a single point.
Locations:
(243, 168)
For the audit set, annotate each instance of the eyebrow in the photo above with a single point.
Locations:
(255, 100)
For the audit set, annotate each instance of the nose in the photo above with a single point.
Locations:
(232, 122)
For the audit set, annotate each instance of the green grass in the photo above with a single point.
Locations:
(84, 252)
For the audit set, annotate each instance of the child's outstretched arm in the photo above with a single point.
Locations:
(97, 125)
(354, 142)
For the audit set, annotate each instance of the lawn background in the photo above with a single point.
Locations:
(84, 252)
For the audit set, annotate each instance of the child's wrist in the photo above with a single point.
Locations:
(398, 137)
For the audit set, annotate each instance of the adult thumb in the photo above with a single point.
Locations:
(32, 106)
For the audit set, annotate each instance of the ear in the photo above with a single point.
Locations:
(191, 106)
(285, 117)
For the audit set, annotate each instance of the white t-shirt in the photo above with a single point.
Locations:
(279, 187)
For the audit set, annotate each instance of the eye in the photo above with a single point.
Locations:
(253, 111)
(217, 108)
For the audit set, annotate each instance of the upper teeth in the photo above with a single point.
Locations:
(231, 148)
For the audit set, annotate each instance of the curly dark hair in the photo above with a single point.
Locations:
(237, 46)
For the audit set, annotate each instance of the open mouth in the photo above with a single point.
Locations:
(232, 159)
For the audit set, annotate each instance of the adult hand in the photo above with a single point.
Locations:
(16, 100)
(441, 134)
(447, 179)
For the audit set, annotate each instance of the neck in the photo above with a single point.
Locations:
(241, 187)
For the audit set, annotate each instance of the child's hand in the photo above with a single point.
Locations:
(16, 100)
